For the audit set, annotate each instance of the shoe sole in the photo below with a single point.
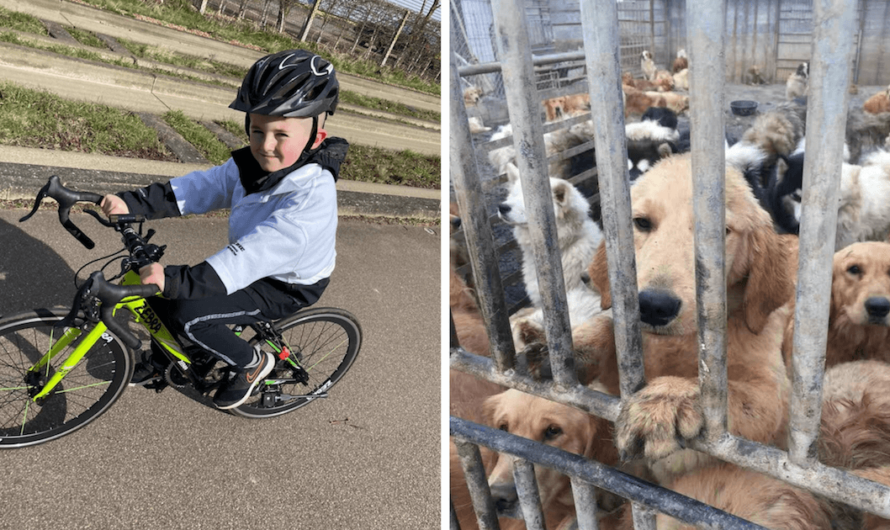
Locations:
(262, 375)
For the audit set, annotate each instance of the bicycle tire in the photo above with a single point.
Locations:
(326, 341)
(86, 392)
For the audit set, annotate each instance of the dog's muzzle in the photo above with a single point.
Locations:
(658, 308)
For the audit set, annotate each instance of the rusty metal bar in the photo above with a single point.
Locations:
(834, 23)
(487, 68)
(600, 18)
(477, 484)
(580, 397)
(599, 475)
(643, 517)
(480, 242)
(584, 495)
(527, 490)
(832, 483)
(705, 33)
(511, 37)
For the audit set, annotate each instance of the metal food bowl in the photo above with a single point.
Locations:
(743, 107)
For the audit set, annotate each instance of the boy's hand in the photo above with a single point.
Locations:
(153, 274)
(113, 205)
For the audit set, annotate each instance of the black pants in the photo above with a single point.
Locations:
(204, 321)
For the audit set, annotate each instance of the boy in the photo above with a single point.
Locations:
(282, 226)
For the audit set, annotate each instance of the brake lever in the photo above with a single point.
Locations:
(68, 321)
(66, 199)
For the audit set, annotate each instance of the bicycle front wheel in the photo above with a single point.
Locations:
(87, 391)
(323, 343)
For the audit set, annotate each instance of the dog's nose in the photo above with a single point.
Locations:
(455, 222)
(877, 306)
(658, 308)
(504, 208)
(585, 278)
(504, 496)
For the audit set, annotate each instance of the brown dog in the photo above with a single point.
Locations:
(878, 103)
(760, 280)
(859, 315)
(758, 498)
(553, 424)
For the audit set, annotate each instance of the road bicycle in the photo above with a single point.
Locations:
(61, 370)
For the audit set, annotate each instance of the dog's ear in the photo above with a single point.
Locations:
(770, 278)
(599, 275)
(664, 150)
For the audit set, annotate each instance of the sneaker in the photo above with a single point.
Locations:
(147, 370)
(240, 387)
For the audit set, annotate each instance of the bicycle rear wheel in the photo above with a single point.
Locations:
(85, 393)
(323, 343)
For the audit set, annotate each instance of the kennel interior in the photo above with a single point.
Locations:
(833, 50)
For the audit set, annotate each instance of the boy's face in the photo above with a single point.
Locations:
(277, 142)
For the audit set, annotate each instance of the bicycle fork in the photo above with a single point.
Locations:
(34, 373)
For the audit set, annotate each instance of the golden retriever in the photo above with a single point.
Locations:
(676, 102)
(636, 102)
(760, 279)
(472, 95)
(878, 103)
(859, 314)
(554, 108)
(552, 424)
(757, 498)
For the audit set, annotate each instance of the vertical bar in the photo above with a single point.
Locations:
(600, 17)
(644, 518)
(602, 51)
(511, 36)
(707, 72)
(477, 484)
(527, 489)
(834, 23)
(585, 504)
(480, 243)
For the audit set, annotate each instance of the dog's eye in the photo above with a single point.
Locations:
(552, 432)
(503, 427)
(728, 230)
(643, 224)
(854, 269)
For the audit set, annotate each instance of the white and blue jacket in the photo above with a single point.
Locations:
(282, 225)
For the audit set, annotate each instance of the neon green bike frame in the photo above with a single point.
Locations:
(142, 314)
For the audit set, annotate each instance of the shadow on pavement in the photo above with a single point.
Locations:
(32, 274)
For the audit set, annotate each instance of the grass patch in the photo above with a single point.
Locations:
(199, 136)
(68, 51)
(86, 38)
(31, 118)
(143, 51)
(21, 22)
(181, 13)
(368, 102)
(235, 128)
(403, 168)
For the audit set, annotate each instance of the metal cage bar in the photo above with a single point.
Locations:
(529, 497)
(511, 37)
(705, 34)
(833, 30)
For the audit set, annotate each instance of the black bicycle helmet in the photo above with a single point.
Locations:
(293, 84)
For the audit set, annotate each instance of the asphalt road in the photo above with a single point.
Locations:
(167, 461)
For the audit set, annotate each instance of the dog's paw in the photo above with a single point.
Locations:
(534, 360)
(659, 419)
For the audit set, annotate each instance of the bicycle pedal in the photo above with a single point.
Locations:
(146, 383)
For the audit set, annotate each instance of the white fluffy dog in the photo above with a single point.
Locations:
(577, 239)
(863, 212)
